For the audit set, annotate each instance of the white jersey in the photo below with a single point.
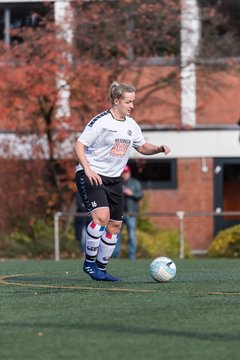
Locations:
(108, 143)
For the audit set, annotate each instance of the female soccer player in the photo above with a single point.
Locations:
(103, 150)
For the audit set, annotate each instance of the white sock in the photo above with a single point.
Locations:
(93, 237)
(106, 248)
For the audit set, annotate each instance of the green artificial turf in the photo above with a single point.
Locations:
(52, 310)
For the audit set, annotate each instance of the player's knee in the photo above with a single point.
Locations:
(100, 217)
(101, 220)
(114, 227)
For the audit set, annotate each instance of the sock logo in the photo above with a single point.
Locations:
(92, 248)
(106, 258)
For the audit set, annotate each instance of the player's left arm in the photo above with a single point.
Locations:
(150, 149)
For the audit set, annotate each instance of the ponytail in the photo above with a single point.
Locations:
(116, 90)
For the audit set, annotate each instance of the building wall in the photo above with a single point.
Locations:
(194, 194)
(159, 106)
(218, 100)
(158, 95)
(195, 189)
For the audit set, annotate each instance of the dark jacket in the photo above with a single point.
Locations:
(131, 203)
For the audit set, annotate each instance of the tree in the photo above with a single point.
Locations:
(220, 29)
(124, 34)
(30, 100)
(111, 37)
(30, 95)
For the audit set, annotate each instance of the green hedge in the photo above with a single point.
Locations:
(36, 240)
(226, 243)
(153, 241)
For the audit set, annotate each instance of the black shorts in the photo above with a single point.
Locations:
(108, 194)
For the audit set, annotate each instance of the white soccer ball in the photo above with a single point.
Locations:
(163, 269)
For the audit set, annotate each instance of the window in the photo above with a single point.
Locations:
(155, 174)
(220, 28)
(231, 186)
(226, 191)
(20, 15)
(145, 28)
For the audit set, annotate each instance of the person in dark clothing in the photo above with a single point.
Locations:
(132, 194)
(80, 223)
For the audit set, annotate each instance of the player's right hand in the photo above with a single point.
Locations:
(93, 177)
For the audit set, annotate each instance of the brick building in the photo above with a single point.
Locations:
(202, 173)
(201, 126)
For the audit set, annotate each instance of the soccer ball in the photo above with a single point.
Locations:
(163, 269)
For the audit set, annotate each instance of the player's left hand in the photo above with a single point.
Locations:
(165, 149)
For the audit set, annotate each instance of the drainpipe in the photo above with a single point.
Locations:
(7, 25)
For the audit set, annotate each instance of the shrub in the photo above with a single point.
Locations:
(226, 243)
(153, 241)
(36, 239)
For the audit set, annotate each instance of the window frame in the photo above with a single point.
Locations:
(153, 184)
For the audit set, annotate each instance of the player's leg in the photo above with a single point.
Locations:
(108, 242)
(106, 248)
(94, 232)
(110, 236)
(96, 203)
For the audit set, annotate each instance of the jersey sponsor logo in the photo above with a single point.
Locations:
(120, 147)
(96, 118)
(129, 132)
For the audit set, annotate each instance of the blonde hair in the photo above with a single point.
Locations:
(116, 90)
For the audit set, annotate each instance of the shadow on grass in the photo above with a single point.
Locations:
(128, 329)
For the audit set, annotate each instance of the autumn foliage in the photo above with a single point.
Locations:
(29, 104)
(38, 71)
(111, 40)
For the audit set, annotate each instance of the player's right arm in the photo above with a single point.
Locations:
(79, 150)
